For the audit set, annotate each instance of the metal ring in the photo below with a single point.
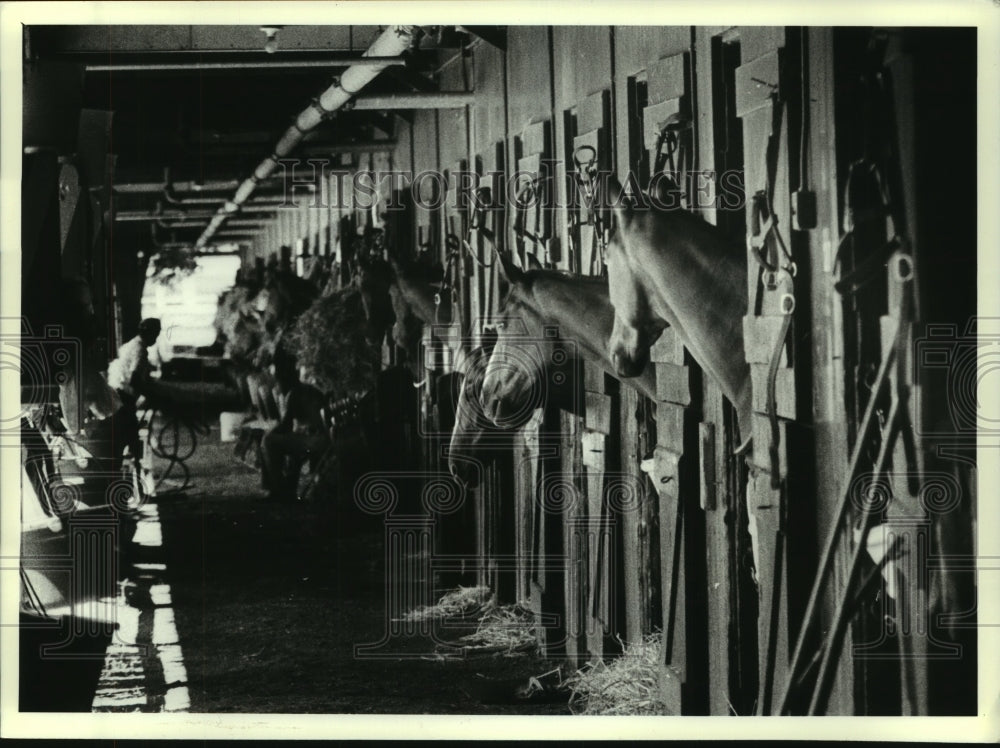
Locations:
(787, 303)
(902, 266)
(576, 159)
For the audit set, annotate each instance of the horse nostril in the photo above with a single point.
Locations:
(627, 367)
(619, 364)
(461, 475)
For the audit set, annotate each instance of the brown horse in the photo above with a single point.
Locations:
(546, 316)
(472, 432)
(670, 267)
(409, 296)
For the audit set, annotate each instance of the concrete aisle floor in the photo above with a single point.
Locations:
(270, 600)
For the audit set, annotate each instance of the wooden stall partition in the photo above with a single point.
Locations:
(768, 101)
(585, 128)
(567, 491)
(636, 50)
(654, 117)
(830, 427)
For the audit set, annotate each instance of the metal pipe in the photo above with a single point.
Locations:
(141, 188)
(275, 199)
(170, 215)
(392, 42)
(253, 65)
(267, 208)
(433, 100)
(169, 194)
(181, 224)
(247, 222)
(310, 146)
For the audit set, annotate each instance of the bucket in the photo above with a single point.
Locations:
(229, 425)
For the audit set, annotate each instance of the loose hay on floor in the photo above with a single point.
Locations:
(507, 629)
(461, 602)
(500, 629)
(628, 685)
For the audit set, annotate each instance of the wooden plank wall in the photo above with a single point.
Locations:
(546, 531)
(559, 87)
(678, 559)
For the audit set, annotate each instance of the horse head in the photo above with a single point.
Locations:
(468, 437)
(516, 377)
(636, 327)
(666, 266)
(417, 299)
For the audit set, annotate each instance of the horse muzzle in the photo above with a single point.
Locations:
(629, 366)
(464, 472)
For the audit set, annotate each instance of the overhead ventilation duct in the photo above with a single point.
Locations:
(394, 41)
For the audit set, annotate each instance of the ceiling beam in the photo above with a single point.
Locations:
(216, 39)
(435, 100)
(412, 78)
(200, 67)
(492, 35)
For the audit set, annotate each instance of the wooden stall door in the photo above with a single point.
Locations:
(761, 97)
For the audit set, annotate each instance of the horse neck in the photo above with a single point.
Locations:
(581, 308)
(693, 249)
(695, 279)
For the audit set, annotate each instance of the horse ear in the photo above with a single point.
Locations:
(617, 202)
(533, 263)
(509, 272)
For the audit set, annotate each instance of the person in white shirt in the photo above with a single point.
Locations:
(93, 412)
(129, 372)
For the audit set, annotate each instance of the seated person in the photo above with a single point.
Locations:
(93, 412)
(129, 373)
(299, 435)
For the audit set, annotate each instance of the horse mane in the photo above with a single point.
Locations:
(589, 341)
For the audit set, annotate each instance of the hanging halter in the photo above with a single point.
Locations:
(527, 193)
(588, 184)
(776, 268)
(483, 196)
(669, 152)
(454, 247)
